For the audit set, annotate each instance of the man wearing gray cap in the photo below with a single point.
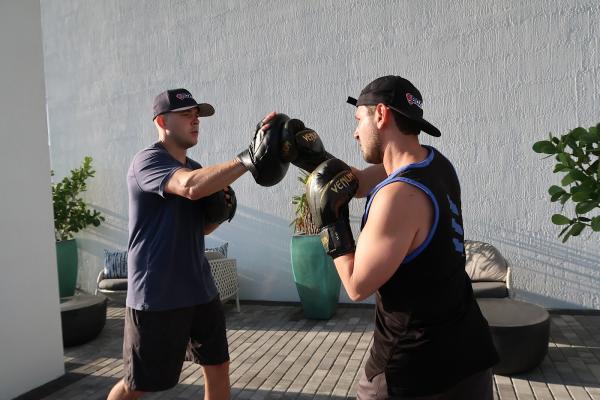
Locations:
(173, 306)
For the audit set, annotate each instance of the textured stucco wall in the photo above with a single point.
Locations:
(31, 351)
(496, 77)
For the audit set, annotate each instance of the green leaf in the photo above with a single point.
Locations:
(560, 167)
(580, 196)
(564, 230)
(596, 224)
(555, 197)
(554, 189)
(565, 159)
(585, 207)
(578, 175)
(564, 198)
(559, 219)
(577, 228)
(544, 147)
(577, 132)
(588, 138)
(567, 180)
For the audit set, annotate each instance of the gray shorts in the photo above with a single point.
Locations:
(477, 386)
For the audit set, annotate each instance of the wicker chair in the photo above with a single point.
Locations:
(224, 270)
(113, 288)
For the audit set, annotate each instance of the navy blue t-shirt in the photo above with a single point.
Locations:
(167, 268)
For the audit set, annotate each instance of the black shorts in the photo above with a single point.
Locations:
(155, 343)
(478, 386)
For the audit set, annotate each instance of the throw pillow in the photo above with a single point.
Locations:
(115, 264)
(484, 263)
(221, 249)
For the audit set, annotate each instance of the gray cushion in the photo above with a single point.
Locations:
(484, 262)
(213, 255)
(496, 290)
(113, 284)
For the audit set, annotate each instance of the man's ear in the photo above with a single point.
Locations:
(383, 114)
(160, 121)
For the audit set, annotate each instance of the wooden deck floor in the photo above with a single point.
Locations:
(276, 353)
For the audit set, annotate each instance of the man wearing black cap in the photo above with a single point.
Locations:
(431, 340)
(173, 307)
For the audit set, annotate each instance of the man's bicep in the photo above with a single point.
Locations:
(368, 178)
(175, 183)
(384, 242)
(152, 170)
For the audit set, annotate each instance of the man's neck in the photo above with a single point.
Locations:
(175, 151)
(398, 154)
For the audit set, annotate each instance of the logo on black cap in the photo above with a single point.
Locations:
(174, 100)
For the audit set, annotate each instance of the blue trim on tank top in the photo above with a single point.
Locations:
(436, 218)
(393, 178)
(421, 164)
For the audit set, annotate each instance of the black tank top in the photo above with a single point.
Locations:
(429, 331)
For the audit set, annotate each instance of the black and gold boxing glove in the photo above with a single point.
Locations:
(302, 146)
(329, 189)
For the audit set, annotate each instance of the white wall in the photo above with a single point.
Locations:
(496, 77)
(31, 351)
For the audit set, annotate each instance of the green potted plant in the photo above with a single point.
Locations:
(314, 273)
(577, 156)
(71, 214)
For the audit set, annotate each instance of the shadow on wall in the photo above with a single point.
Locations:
(260, 242)
(545, 271)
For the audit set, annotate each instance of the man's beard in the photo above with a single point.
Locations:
(371, 152)
(181, 142)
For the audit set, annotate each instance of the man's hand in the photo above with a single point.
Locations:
(262, 158)
(219, 207)
(302, 146)
(329, 189)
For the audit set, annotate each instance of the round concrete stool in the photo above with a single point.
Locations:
(82, 317)
(520, 332)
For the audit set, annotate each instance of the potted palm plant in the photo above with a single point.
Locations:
(71, 214)
(316, 279)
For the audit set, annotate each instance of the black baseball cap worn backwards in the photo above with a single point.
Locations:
(398, 94)
(174, 100)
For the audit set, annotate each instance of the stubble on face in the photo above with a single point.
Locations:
(183, 132)
(371, 149)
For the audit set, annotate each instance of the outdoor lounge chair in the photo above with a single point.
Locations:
(488, 270)
(224, 271)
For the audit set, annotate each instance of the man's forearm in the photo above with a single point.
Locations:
(206, 181)
(345, 268)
